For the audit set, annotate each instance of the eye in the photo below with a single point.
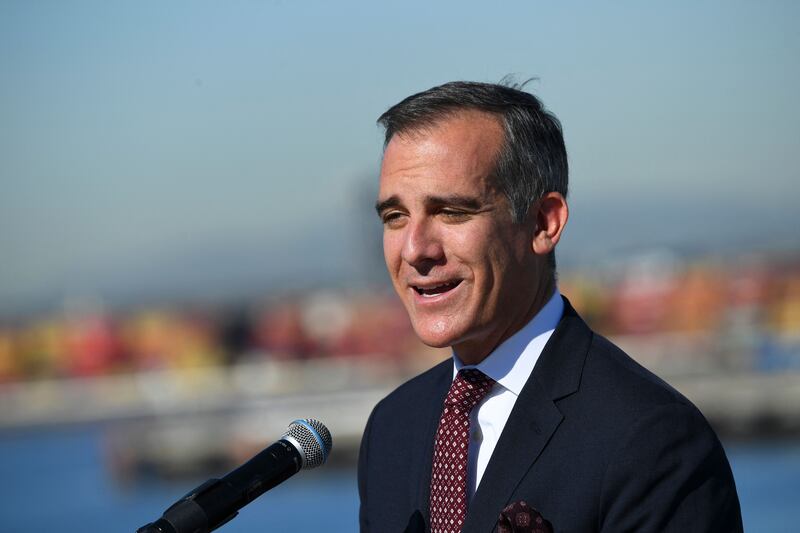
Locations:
(392, 219)
(454, 215)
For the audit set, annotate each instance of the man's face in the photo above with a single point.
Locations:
(463, 269)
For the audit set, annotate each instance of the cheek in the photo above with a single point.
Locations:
(392, 252)
(497, 272)
(468, 245)
(486, 252)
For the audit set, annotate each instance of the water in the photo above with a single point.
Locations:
(54, 480)
(768, 482)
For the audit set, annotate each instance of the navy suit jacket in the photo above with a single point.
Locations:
(595, 442)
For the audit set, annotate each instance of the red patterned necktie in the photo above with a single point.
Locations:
(448, 503)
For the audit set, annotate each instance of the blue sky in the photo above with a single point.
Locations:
(135, 134)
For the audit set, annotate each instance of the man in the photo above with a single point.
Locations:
(533, 409)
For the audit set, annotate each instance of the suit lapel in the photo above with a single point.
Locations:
(430, 410)
(533, 420)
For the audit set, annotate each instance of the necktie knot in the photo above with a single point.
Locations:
(468, 389)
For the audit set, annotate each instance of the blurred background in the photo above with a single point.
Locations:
(190, 259)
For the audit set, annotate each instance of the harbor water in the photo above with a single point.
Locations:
(57, 480)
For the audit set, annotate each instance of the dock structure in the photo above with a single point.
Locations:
(176, 421)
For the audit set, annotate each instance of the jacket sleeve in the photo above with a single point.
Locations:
(669, 474)
(363, 466)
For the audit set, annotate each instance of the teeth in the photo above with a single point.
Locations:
(430, 292)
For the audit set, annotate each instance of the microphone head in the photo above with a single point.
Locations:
(312, 439)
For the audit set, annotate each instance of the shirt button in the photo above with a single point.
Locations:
(477, 436)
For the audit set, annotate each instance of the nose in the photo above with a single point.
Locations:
(422, 247)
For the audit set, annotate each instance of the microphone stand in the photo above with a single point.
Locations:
(217, 501)
(185, 513)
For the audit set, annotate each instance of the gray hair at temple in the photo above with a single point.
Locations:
(533, 159)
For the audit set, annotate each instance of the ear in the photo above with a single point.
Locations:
(551, 213)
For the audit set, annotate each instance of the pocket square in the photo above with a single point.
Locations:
(519, 517)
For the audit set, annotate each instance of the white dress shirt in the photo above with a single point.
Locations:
(510, 365)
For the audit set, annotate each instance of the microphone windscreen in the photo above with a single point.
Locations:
(313, 439)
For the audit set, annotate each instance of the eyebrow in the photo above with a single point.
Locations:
(456, 200)
(392, 201)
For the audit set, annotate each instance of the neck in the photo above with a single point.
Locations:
(472, 352)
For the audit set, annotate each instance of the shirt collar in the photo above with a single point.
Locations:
(511, 363)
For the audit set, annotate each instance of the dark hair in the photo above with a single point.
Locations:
(533, 159)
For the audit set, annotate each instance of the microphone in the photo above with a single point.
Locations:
(306, 444)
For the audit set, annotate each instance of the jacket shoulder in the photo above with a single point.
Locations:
(624, 383)
(420, 384)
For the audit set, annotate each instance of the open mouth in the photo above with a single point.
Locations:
(430, 292)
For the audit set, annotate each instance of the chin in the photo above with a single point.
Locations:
(434, 342)
(437, 334)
